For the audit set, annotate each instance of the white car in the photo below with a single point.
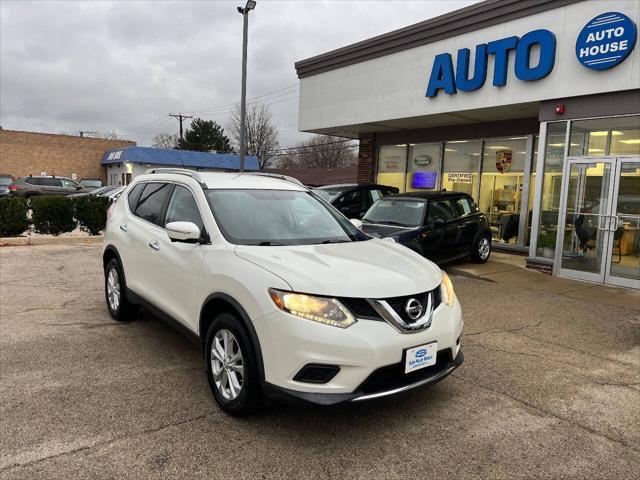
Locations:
(286, 297)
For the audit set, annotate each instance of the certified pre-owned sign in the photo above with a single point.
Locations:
(606, 41)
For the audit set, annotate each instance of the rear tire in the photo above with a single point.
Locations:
(231, 366)
(481, 249)
(120, 308)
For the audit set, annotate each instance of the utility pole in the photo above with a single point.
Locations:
(180, 118)
(251, 4)
(86, 132)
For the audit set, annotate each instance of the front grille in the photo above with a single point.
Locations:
(398, 303)
(361, 308)
(393, 376)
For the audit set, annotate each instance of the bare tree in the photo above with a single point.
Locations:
(320, 151)
(109, 135)
(165, 140)
(261, 133)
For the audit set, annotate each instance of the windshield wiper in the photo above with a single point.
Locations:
(393, 223)
(334, 241)
(269, 244)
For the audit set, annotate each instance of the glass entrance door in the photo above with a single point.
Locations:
(598, 238)
(623, 266)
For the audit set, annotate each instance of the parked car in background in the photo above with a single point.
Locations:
(442, 226)
(102, 191)
(5, 181)
(351, 199)
(112, 193)
(45, 185)
(285, 296)
(91, 183)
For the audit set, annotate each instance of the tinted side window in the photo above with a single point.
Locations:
(151, 202)
(69, 184)
(443, 209)
(51, 182)
(466, 206)
(183, 208)
(31, 181)
(134, 196)
(351, 199)
(376, 194)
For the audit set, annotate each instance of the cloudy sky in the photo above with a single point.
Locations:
(123, 66)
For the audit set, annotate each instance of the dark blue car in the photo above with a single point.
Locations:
(442, 226)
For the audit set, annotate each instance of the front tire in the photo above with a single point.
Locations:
(120, 308)
(481, 249)
(231, 366)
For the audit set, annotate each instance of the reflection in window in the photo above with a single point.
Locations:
(501, 185)
(605, 136)
(551, 184)
(460, 166)
(423, 166)
(392, 163)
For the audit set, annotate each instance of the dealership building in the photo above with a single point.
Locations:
(530, 106)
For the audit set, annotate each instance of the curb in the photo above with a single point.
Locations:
(34, 241)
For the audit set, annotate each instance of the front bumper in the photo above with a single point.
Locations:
(368, 391)
(290, 343)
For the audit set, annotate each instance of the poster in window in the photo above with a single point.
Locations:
(503, 160)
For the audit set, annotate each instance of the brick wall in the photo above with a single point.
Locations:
(367, 154)
(28, 153)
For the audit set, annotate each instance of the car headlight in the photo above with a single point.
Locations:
(446, 290)
(318, 309)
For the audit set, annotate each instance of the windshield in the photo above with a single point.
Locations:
(5, 181)
(404, 213)
(278, 217)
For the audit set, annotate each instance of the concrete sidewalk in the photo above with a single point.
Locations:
(510, 270)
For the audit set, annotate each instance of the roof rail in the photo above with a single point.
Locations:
(177, 171)
(277, 175)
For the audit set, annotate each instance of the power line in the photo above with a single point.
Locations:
(252, 99)
(180, 118)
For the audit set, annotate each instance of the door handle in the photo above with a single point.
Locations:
(124, 228)
(154, 244)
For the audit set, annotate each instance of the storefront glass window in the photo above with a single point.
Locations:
(605, 136)
(532, 189)
(392, 163)
(423, 166)
(460, 168)
(551, 184)
(501, 185)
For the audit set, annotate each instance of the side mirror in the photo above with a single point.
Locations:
(183, 232)
(439, 221)
(356, 222)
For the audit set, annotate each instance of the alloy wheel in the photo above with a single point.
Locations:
(227, 364)
(113, 289)
(484, 247)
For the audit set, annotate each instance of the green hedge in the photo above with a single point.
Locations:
(13, 216)
(52, 215)
(91, 213)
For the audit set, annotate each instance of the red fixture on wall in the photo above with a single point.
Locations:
(560, 108)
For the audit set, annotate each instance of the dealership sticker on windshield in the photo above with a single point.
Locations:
(420, 357)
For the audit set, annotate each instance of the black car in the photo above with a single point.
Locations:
(351, 199)
(441, 226)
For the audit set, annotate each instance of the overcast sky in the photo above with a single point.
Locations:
(124, 66)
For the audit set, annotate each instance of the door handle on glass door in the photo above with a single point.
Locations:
(154, 244)
(124, 228)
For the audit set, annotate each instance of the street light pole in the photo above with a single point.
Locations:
(243, 95)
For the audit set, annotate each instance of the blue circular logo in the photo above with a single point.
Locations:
(606, 41)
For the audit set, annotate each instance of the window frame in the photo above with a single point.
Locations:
(203, 229)
(163, 209)
(442, 199)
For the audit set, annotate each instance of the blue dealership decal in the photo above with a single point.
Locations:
(444, 78)
(606, 41)
(421, 353)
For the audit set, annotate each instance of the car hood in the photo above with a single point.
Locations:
(372, 268)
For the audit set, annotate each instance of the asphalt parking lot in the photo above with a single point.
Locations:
(550, 389)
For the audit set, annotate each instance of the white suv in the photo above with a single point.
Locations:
(287, 298)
